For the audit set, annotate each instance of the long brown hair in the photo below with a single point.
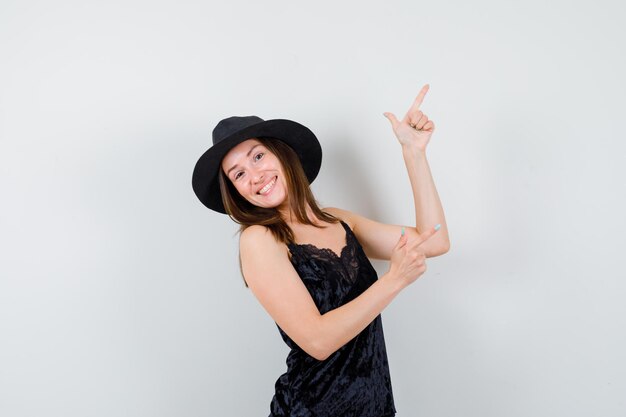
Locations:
(299, 194)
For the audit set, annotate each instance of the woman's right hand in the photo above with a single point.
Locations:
(408, 261)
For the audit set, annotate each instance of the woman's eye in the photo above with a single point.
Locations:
(237, 175)
(256, 157)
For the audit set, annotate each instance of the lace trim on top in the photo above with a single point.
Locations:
(328, 251)
(347, 263)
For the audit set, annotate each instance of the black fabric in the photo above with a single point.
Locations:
(354, 381)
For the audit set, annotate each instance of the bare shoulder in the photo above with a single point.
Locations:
(357, 223)
(275, 283)
(260, 254)
(258, 239)
(378, 239)
(345, 215)
(255, 231)
(256, 234)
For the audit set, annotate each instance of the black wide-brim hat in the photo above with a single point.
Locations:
(232, 131)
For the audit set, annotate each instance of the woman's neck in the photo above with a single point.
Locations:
(291, 219)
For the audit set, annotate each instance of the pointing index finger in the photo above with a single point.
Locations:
(420, 97)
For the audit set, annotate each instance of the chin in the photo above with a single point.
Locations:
(268, 205)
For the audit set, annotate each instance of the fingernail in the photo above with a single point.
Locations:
(403, 231)
(437, 226)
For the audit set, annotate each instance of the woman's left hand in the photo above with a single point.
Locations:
(414, 129)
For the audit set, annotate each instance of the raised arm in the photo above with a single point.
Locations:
(275, 283)
(413, 133)
(378, 239)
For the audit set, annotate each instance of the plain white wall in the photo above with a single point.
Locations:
(120, 294)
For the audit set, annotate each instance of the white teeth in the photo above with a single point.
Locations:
(267, 187)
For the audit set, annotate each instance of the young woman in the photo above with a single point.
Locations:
(309, 266)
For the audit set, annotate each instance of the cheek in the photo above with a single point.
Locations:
(240, 190)
(283, 182)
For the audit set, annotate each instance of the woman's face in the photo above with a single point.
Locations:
(257, 174)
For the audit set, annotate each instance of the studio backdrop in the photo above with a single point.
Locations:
(120, 293)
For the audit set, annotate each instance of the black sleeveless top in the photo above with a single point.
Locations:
(354, 381)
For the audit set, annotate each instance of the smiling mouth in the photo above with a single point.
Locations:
(267, 187)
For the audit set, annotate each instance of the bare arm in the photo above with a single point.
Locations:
(378, 239)
(344, 323)
(428, 208)
(407, 265)
(275, 283)
(414, 132)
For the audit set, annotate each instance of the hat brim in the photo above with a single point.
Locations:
(205, 179)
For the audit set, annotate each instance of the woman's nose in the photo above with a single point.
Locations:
(257, 177)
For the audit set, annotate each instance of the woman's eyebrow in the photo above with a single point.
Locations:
(247, 155)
